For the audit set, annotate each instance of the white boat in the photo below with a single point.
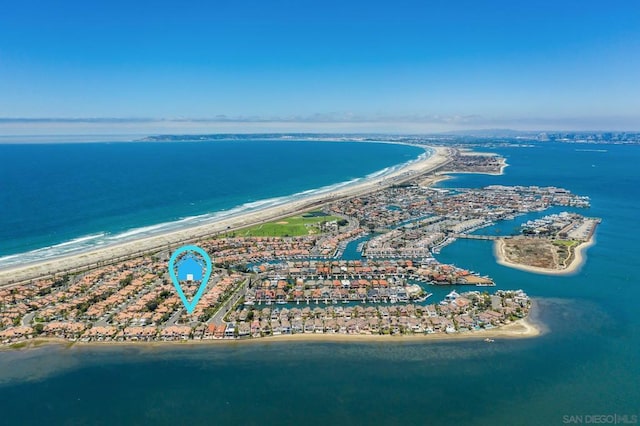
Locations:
(423, 298)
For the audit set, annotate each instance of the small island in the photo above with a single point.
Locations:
(553, 244)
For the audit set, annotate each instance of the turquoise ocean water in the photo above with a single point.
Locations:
(586, 364)
(60, 198)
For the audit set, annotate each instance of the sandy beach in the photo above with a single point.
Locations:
(129, 249)
(500, 172)
(579, 258)
(434, 179)
(520, 329)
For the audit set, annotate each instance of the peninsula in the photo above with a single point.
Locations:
(551, 245)
(355, 263)
(127, 250)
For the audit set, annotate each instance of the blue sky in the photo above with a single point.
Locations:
(432, 65)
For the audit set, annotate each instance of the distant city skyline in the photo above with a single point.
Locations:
(412, 67)
(43, 129)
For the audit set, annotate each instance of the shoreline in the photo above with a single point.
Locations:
(498, 173)
(579, 259)
(472, 153)
(524, 328)
(438, 177)
(434, 179)
(117, 252)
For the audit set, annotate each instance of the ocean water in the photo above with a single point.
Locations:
(585, 364)
(65, 197)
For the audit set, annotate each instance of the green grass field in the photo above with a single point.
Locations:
(289, 227)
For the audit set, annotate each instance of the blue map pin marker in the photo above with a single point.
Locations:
(193, 265)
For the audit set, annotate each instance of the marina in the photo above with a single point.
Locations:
(319, 213)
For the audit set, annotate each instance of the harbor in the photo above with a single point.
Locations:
(319, 271)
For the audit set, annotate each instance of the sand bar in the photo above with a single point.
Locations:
(171, 240)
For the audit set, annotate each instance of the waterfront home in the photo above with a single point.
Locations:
(209, 332)
(99, 333)
(465, 322)
(275, 314)
(255, 328)
(296, 314)
(175, 332)
(219, 331)
(198, 332)
(285, 327)
(309, 326)
(15, 333)
(276, 328)
(244, 330)
(438, 324)
(362, 326)
(229, 332)
(139, 333)
(352, 326)
(265, 327)
(461, 303)
(68, 330)
(384, 312)
(296, 326)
